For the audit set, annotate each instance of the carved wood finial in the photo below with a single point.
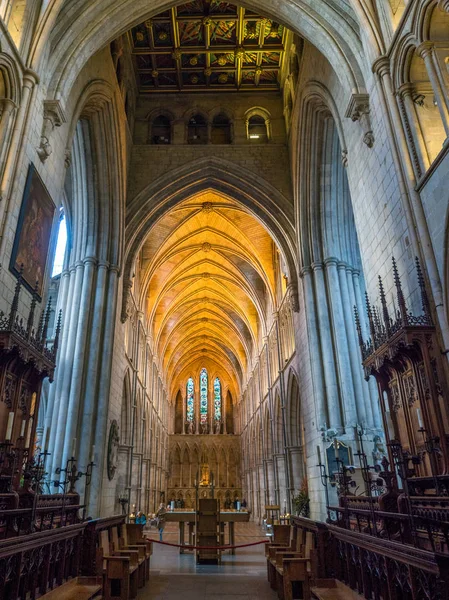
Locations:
(15, 302)
(422, 287)
(46, 320)
(32, 310)
(358, 326)
(399, 293)
(385, 313)
(369, 311)
(57, 334)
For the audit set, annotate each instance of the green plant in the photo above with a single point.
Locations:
(301, 502)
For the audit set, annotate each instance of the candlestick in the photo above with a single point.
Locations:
(336, 449)
(22, 430)
(318, 451)
(28, 439)
(10, 424)
(418, 414)
(73, 447)
(92, 454)
(47, 439)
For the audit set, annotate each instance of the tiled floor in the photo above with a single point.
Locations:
(176, 576)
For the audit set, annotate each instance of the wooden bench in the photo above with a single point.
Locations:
(332, 589)
(281, 537)
(120, 545)
(294, 567)
(120, 570)
(289, 545)
(132, 535)
(80, 588)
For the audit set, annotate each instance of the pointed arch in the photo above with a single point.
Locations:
(294, 434)
(262, 200)
(125, 414)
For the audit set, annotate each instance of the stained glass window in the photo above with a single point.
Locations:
(203, 396)
(190, 390)
(217, 400)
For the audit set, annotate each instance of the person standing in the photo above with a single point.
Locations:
(161, 512)
(141, 518)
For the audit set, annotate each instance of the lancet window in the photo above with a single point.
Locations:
(190, 399)
(203, 396)
(217, 400)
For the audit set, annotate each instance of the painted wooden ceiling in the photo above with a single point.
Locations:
(208, 45)
(208, 281)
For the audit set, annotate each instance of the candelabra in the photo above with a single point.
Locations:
(124, 501)
(324, 480)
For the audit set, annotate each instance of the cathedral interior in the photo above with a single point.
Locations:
(224, 233)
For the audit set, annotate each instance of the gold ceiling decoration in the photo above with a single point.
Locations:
(208, 278)
(208, 45)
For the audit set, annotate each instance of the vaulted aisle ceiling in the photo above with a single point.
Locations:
(208, 280)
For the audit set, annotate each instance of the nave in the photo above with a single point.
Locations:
(241, 576)
(224, 275)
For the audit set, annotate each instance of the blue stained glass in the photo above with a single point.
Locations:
(190, 391)
(203, 396)
(217, 399)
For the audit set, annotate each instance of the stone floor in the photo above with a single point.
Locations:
(176, 576)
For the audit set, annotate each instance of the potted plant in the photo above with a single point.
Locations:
(301, 502)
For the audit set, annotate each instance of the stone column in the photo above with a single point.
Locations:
(353, 349)
(426, 52)
(315, 350)
(371, 398)
(330, 376)
(342, 343)
(80, 355)
(7, 108)
(421, 158)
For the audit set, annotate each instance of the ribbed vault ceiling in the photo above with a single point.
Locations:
(208, 284)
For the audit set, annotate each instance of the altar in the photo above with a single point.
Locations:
(188, 516)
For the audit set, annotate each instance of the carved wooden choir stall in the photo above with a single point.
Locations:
(47, 549)
(392, 541)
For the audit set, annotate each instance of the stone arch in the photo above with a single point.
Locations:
(154, 114)
(263, 113)
(335, 35)
(259, 197)
(278, 425)
(179, 425)
(293, 411)
(125, 415)
(10, 80)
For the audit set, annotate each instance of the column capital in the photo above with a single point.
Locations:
(331, 260)
(381, 66)
(425, 49)
(317, 266)
(406, 89)
(305, 271)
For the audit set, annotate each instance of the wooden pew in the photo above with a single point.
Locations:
(119, 546)
(80, 588)
(293, 545)
(120, 571)
(281, 537)
(295, 567)
(132, 535)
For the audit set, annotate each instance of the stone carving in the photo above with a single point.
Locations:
(394, 396)
(359, 110)
(53, 117)
(113, 444)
